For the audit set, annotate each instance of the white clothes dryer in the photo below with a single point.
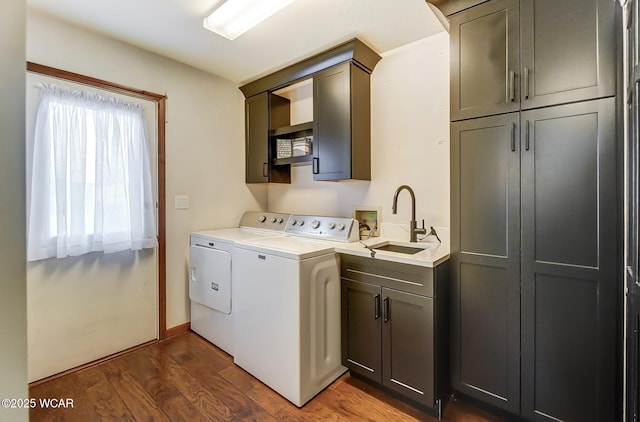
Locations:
(211, 281)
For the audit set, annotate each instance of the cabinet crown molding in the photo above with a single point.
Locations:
(449, 7)
(353, 50)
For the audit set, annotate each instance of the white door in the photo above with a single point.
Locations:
(80, 309)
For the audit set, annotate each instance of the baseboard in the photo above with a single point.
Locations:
(92, 363)
(178, 329)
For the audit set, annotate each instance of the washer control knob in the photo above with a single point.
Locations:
(341, 226)
(294, 222)
(332, 226)
(301, 222)
(262, 219)
(273, 219)
(280, 220)
(315, 224)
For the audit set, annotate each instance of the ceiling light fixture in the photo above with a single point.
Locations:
(234, 17)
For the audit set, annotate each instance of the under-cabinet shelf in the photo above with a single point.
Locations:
(292, 160)
(292, 131)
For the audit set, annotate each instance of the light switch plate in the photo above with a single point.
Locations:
(181, 202)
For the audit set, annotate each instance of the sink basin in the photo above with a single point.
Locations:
(390, 247)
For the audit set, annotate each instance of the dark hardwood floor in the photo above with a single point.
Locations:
(185, 378)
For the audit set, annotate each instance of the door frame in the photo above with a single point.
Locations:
(160, 101)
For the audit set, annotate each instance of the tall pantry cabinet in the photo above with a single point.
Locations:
(631, 12)
(535, 198)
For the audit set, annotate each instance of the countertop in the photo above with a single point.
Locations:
(434, 253)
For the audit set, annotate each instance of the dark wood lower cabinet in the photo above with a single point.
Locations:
(394, 338)
(569, 262)
(485, 260)
(361, 310)
(633, 355)
(535, 261)
(408, 345)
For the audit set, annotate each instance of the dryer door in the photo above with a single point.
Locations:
(210, 278)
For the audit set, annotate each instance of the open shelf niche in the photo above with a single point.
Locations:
(296, 100)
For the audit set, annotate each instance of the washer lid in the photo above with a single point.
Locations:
(291, 247)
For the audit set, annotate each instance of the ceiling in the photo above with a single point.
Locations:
(173, 28)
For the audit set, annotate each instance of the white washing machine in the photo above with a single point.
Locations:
(287, 299)
(211, 280)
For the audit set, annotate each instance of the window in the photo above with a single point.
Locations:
(91, 187)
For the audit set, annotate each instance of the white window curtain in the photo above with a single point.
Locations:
(91, 187)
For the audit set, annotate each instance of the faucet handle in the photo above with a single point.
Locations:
(416, 230)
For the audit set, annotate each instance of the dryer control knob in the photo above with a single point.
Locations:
(341, 226)
(332, 226)
(294, 222)
(301, 223)
(262, 219)
(280, 220)
(315, 224)
(273, 219)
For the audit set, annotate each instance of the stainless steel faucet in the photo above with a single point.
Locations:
(414, 231)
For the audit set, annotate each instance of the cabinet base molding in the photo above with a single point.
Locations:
(491, 412)
(436, 411)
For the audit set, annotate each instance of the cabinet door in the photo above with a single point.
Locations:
(408, 345)
(257, 138)
(485, 60)
(485, 257)
(361, 329)
(568, 51)
(569, 262)
(341, 124)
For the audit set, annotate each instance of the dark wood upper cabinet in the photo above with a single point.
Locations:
(567, 51)
(342, 128)
(508, 55)
(262, 112)
(256, 138)
(485, 60)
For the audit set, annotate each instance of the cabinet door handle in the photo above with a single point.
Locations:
(376, 307)
(265, 170)
(386, 310)
(526, 136)
(512, 86)
(316, 165)
(526, 83)
(513, 136)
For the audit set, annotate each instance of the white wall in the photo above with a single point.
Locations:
(13, 317)
(409, 143)
(204, 142)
